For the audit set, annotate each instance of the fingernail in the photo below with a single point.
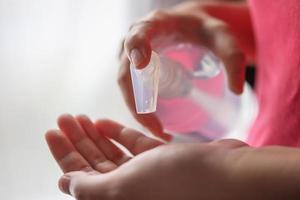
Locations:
(136, 57)
(64, 183)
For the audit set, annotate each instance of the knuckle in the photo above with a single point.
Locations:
(157, 14)
(141, 24)
(219, 26)
(215, 25)
(135, 37)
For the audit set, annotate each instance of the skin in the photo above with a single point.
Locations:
(225, 28)
(95, 168)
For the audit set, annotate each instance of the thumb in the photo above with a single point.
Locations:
(81, 184)
(138, 42)
(68, 182)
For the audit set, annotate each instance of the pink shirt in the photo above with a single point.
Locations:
(277, 29)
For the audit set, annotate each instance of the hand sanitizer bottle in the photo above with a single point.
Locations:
(186, 86)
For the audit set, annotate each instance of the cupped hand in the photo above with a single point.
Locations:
(96, 168)
(84, 149)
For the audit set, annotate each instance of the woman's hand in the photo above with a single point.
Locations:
(84, 149)
(95, 168)
(194, 22)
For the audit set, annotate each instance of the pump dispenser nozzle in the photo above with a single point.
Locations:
(145, 85)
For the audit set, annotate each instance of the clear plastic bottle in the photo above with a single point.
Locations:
(187, 87)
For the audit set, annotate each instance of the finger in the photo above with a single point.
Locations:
(234, 61)
(137, 47)
(201, 29)
(65, 181)
(159, 29)
(225, 46)
(111, 151)
(64, 153)
(84, 145)
(133, 140)
(137, 44)
(150, 120)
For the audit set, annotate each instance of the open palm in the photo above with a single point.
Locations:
(81, 146)
(95, 168)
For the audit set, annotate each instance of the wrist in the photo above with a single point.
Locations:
(269, 173)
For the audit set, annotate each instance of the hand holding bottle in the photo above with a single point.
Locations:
(189, 22)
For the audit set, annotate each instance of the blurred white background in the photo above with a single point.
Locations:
(56, 56)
